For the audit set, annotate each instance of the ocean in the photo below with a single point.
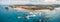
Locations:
(12, 15)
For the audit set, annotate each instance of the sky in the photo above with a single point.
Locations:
(12, 2)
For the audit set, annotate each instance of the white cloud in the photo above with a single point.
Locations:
(14, 2)
(47, 2)
(29, 2)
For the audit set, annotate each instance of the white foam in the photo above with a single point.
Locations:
(18, 17)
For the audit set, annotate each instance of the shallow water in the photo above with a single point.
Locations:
(11, 15)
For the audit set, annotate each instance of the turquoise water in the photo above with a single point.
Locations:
(11, 15)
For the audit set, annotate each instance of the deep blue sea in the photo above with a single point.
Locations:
(12, 15)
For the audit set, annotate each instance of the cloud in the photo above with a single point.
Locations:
(29, 2)
(14, 2)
